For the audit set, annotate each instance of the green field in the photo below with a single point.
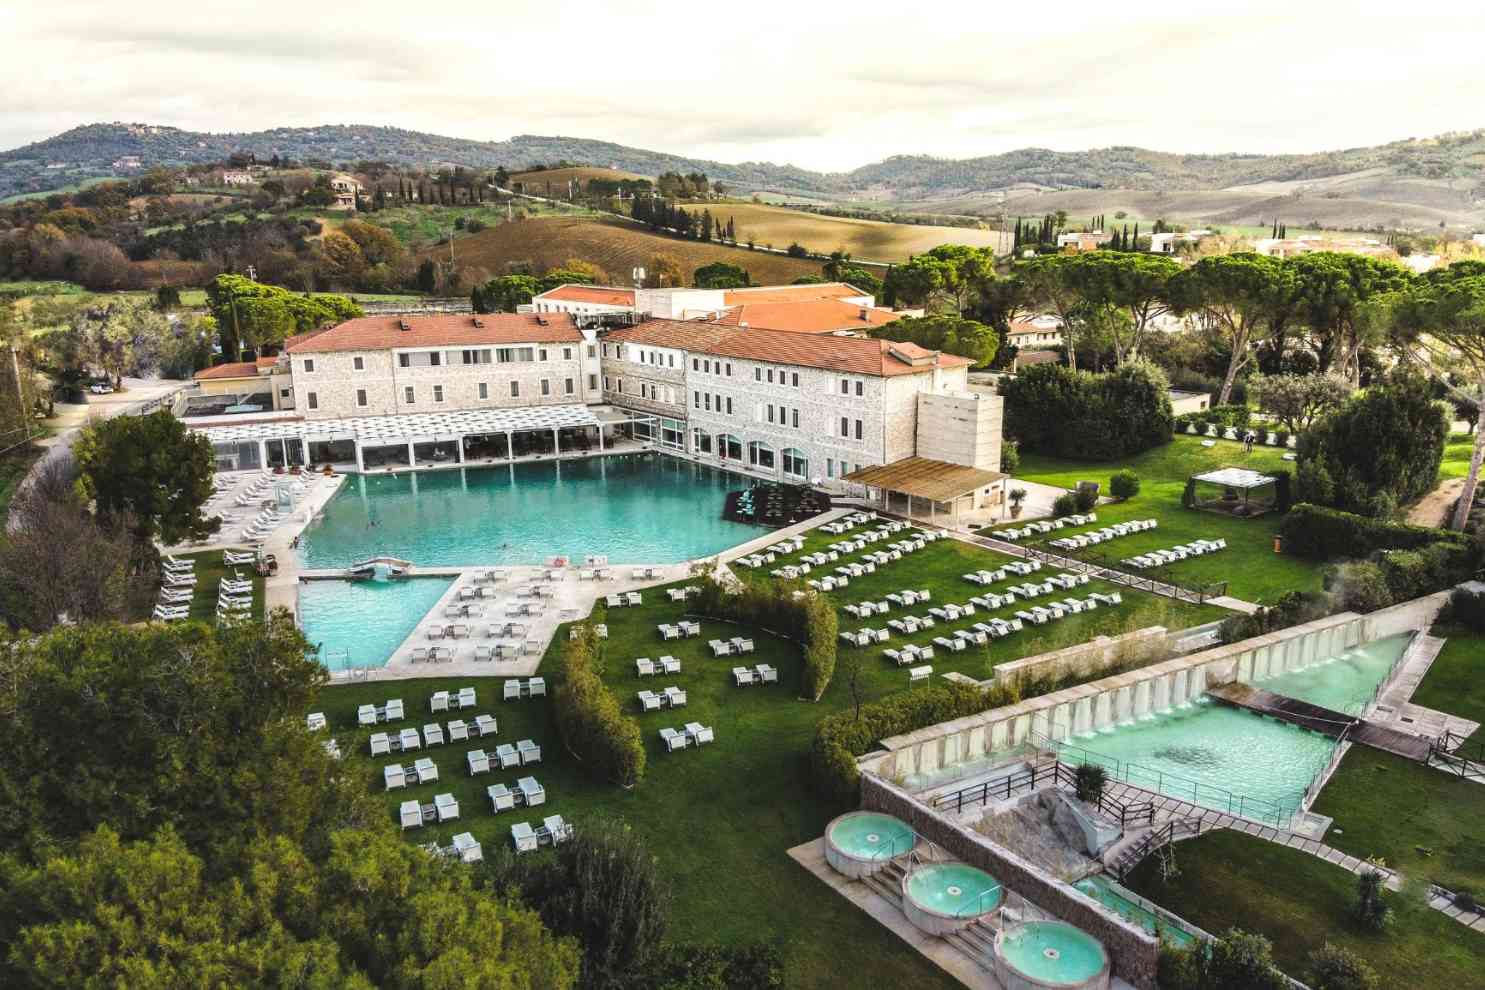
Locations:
(1455, 683)
(1229, 879)
(1249, 565)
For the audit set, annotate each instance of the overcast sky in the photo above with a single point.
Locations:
(824, 86)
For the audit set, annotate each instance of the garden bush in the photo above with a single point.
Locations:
(1010, 456)
(589, 719)
(1238, 960)
(1335, 968)
(1065, 505)
(1054, 410)
(1085, 498)
(1234, 416)
(1124, 484)
(1466, 608)
(807, 620)
(1291, 609)
(1381, 449)
(842, 737)
(1320, 533)
(1361, 587)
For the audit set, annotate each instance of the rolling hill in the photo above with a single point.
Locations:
(616, 247)
(1440, 177)
(867, 240)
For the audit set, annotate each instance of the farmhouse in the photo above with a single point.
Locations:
(1087, 240)
(1041, 332)
(237, 178)
(345, 189)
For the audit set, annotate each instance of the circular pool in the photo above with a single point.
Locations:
(941, 898)
(859, 843)
(1050, 955)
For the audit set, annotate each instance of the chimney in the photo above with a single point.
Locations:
(865, 314)
(478, 322)
(742, 326)
(403, 325)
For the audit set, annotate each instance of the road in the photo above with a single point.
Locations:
(71, 418)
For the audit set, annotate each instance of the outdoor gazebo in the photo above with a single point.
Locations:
(1239, 491)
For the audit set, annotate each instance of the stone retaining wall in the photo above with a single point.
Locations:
(1087, 660)
(1133, 953)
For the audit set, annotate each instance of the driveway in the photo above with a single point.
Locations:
(70, 417)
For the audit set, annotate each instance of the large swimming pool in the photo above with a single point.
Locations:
(633, 508)
(361, 623)
(1234, 760)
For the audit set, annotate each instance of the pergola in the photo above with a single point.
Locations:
(937, 482)
(1238, 486)
(442, 436)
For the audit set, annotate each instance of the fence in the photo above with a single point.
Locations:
(1455, 754)
(1103, 572)
(1126, 813)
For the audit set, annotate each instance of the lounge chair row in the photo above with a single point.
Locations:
(731, 647)
(529, 687)
(552, 831)
(1080, 540)
(527, 793)
(645, 667)
(632, 598)
(761, 674)
(405, 740)
(683, 629)
(524, 752)
(695, 734)
(442, 701)
(1015, 567)
(1195, 548)
(1045, 526)
(464, 847)
(653, 701)
(422, 771)
(443, 808)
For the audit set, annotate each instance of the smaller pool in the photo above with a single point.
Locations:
(361, 623)
(859, 843)
(1050, 954)
(1118, 900)
(941, 898)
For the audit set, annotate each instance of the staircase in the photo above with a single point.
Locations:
(1126, 856)
(977, 941)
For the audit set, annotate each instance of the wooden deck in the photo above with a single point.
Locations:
(1323, 720)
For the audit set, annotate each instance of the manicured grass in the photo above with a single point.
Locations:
(1455, 683)
(721, 818)
(1249, 565)
(1457, 452)
(209, 573)
(1420, 820)
(1228, 879)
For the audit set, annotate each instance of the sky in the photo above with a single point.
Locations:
(822, 86)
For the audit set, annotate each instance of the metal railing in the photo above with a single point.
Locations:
(1455, 754)
(1126, 813)
(1175, 828)
(1106, 572)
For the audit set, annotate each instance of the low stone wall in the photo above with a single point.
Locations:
(1133, 953)
(1417, 614)
(1088, 660)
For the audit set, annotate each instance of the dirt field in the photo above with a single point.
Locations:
(869, 240)
(553, 181)
(615, 247)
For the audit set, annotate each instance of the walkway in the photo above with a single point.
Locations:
(1395, 708)
(1325, 721)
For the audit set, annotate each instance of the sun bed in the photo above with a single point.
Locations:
(394, 776)
(529, 751)
(381, 744)
(699, 733)
(674, 740)
(425, 769)
(507, 756)
(478, 761)
(501, 798)
(485, 725)
(446, 807)
(531, 792)
(410, 813)
(432, 734)
(467, 848)
(523, 837)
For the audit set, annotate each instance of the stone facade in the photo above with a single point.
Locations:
(961, 428)
(645, 378)
(1133, 954)
(374, 383)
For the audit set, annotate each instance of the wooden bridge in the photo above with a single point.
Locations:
(1327, 721)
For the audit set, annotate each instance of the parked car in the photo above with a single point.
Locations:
(100, 388)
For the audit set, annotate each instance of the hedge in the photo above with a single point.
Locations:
(842, 737)
(1321, 533)
(1053, 410)
(589, 719)
(806, 619)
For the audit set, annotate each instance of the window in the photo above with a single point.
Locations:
(845, 387)
(484, 390)
(795, 419)
(860, 388)
(729, 369)
(760, 455)
(696, 401)
(313, 400)
(770, 376)
(845, 427)
(514, 355)
(644, 390)
(360, 397)
(729, 405)
(359, 363)
(515, 390)
(438, 393)
(404, 360)
(592, 352)
(607, 385)
(309, 365)
(567, 387)
(474, 356)
(701, 442)
(770, 412)
(695, 364)
(795, 463)
(284, 393)
(729, 448)
(435, 358)
(858, 429)
(794, 378)
(408, 395)
(709, 402)
(592, 383)
(567, 353)
(546, 386)
(830, 467)
(757, 374)
(541, 354)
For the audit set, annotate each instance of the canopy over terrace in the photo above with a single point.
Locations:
(442, 437)
(1244, 492)
(937, 482)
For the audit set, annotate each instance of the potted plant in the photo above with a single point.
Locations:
(1018, 495)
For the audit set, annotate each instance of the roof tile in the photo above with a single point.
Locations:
(379, 333)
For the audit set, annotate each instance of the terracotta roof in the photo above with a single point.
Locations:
(267, 362)
(379, 333)
(235, 369)
(686, 335)
(602, 295)
(854, 355)
(813, 316)
(790, 293)
(925, 478)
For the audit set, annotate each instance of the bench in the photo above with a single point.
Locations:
(917, 674)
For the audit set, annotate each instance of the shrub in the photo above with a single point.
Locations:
(841, 737)
(1088, 781)
(474, 225)
(1010, 456)
(1466, 901)
(1054, 410)
(1465, 607)
(592, 725)
(1188, 497)
(1065, 505)
(1371, 909)
(1380, 449)
(1283, 491)
(688, 966)
(807, 620)
(1236, 961)
(1291, 609)
(1320, 533)
(1124, 484)
(1335, 968)
(1235, 416)
(1085, 498)
(1361, 587)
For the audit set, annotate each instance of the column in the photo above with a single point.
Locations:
(412, 456)
(510, 445)
(304, 445)
(263, 453)
(360, 462)
(556, 442)
(600, 438)
(459, 449)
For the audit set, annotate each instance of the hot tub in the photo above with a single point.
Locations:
(942, 898)
(1050, 955)
(859, 843)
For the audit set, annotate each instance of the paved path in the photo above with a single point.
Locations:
(1433, 508)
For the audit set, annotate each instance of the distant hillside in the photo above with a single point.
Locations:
(1445, 174)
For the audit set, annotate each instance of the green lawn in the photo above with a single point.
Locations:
(1455, 683)
(209, 573)
(1249, 565)
(722, 818)
(1422, 821)
(1457, 452)
(1228, 879)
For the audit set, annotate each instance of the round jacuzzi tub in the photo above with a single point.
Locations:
(1050, 955)
(859, 843)
(942, 898)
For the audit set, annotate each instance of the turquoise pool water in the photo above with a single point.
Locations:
(1112, 896)
(364, 620)
(1053, 952)
(1343, 683)
(868, 835)
(954, 889)
(641, 508)
(1233, 760)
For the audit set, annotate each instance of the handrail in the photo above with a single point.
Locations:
(994, 888)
